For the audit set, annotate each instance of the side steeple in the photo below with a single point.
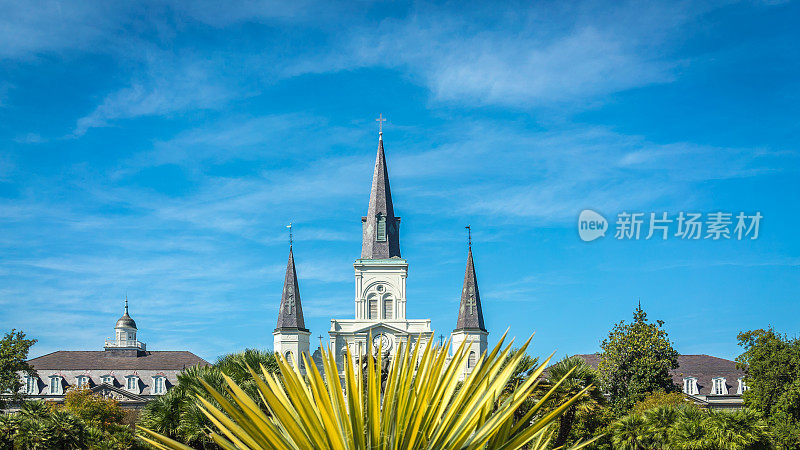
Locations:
(381, 229)
(290, 315)
(470, 313)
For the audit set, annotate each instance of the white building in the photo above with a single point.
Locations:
(124, 370)
(380, 319)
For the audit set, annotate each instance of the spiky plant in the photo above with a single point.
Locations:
(659, 421)
(574, 375)
(630, 433)
(420, 406)
(740, 430)
(688, 431)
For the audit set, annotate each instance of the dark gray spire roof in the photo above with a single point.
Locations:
(290, 315)
(380, 240)
(125, 321)
(470, 314)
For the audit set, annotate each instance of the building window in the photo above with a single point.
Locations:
(381, 236)
(742, 386)
(690, 386)
(82, 381)
(288, 356)
(159, 385)
(718, 386)
(55, 385)
(132, 383)
(107, 379)
(471, 360)
(372, 300)
(388, 302)
(31, 385)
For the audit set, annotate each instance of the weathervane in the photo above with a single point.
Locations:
(469, 235)
(380, 121)
(290, 234)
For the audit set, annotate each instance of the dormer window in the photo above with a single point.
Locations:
(381, 231)
(159, 385)
(56, 387)
(82, 381)
(31, 385)
(718, 386)
(742, 386)
(132, 383)
(690, 386)
(107, 379)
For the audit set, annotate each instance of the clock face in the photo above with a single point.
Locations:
(381, 342)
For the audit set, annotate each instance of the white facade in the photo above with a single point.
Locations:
(476, 342)
(291, 344)
(380, 312)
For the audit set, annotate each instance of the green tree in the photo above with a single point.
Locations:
(13, 355)
(630, 433)
(176, 414)
(96, 410)
(688, 431)
(772, 365)
(656, 399)
(575, 376)
(659, 422)
(636, 360)
(739, 430)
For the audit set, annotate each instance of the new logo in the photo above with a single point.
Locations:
(591, 225)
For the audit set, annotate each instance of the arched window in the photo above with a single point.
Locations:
(372, 300)
(159, 385)
(82, 381)
(55, 384)
(132, 383)
(288, 356)
(471, 360)
(388, 303)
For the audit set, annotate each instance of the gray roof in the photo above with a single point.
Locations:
(470, 313)
(380, 203)
(702, 367)
(96, 360)
(125, 321)
(290, 314)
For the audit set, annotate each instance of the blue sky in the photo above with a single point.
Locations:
(160, 149)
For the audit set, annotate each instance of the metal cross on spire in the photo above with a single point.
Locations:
(290, 234)
(380, 121)
(469, 235)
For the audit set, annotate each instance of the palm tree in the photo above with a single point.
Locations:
(420, 408)
(176, 414)
(659, 422)
(630, 433)
(688, 432)
(574, 376)
(741, 430)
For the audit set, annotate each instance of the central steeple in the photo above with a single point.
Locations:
(381, 229)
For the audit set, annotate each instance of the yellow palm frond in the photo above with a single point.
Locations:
(423, 404)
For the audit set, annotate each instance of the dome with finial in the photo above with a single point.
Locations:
(125, 321)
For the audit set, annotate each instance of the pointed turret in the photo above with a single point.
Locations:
(381, 229)
(470, 314)
(290, 315)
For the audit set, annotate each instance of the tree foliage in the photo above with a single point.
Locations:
(687, 427)
(567, 378)
(38, 425)
(772, 366)
(176, 413)
(13, 359)
(636, 360)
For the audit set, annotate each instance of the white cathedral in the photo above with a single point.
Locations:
(380, 294)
